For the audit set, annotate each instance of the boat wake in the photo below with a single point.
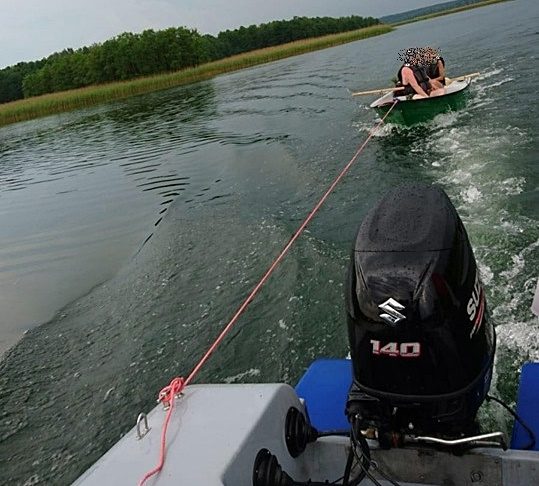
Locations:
(491, 191)
(481, 161)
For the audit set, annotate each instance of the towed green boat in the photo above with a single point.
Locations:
(409, 111)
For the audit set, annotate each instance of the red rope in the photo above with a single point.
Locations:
(177, 384)
(284, 251)
(167, 395)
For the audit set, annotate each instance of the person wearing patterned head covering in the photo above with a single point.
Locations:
(413, 73)
(435, 67)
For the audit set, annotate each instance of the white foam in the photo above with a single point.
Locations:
(487, 275)
(383, 131)
(513, 185)
(489, 74)
(519, 261)
(371, 127)
(498, 83)
(471, 194)
(240, 376)
(514, 293)
(521, 336)
(446, 119)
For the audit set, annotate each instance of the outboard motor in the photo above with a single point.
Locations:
(421, 344)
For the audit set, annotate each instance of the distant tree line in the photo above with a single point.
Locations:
(128, 55)
(419, 12)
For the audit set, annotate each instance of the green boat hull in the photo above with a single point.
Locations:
(410, 112)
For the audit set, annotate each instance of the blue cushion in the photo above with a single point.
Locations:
(324, 387)
(527, 407)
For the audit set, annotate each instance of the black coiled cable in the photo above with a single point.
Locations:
(360, 451)
(530, 444)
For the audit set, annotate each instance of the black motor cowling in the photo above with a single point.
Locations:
(421, 344)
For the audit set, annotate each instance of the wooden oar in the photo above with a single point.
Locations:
(377, 91)
(460, 78)
(382, 91)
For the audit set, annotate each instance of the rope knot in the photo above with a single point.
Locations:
(167, 394)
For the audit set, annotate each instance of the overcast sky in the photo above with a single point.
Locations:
(33, 29)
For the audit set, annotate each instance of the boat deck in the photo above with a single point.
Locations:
(216, 432)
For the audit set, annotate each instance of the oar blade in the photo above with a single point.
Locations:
(380, 91)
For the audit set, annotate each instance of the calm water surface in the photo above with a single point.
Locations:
(135, 229)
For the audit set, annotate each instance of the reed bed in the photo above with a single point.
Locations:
(60, 102)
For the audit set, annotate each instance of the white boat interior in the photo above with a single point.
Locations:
(217, 433)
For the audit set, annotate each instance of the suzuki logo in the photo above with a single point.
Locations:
(392, 314)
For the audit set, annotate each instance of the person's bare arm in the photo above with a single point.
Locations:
(409, 78)
(441, 71)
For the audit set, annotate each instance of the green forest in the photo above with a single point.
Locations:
(128, 56)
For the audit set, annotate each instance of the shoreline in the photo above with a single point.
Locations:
(484, 3)
(64, 101)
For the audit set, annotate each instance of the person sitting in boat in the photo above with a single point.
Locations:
(413, 75)
(436, 68)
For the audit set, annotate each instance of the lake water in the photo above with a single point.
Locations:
(135, 229)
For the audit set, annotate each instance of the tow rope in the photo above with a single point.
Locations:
(171, 391)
